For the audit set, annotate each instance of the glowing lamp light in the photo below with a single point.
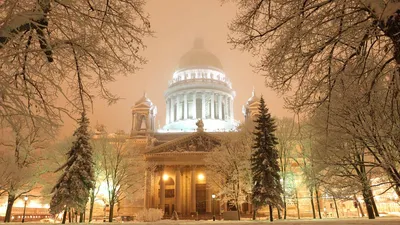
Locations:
(201, 176)
(213, 196)
(165, 177)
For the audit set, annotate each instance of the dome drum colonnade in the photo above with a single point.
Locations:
(216, 103)
(199, 90)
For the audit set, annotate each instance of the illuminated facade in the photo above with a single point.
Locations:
(199, 105)
(199, 89)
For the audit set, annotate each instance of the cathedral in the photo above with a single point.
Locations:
(199, 106)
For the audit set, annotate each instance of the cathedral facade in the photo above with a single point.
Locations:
(199, 106)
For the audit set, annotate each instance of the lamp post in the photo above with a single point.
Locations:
(213, 206)
(23, 215)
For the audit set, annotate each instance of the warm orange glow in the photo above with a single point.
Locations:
(165, 177)
(200, 176)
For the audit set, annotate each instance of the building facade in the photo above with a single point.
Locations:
(199, 106)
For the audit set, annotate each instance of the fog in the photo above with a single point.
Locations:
(176, 24)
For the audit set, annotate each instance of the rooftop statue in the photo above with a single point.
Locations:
(200, 125)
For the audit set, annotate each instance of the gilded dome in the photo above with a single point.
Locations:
(199, 57)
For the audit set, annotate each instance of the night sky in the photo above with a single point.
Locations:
(176, 24)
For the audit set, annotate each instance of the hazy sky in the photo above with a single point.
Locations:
(176, 24)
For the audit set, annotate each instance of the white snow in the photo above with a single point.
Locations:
(364, 221)
(383, 9)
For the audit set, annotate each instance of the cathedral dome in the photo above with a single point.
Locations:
(199, 57)
(199, 89)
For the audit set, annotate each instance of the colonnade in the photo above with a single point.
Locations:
(199, 104)
(185, 181)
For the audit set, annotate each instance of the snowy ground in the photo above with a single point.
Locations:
(380, 221)
(383, 221)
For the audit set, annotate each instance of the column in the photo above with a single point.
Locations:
(178, 194)
(178, 108)
(212, 105)
(148, 126)
(225, 107)
(231, 108)
(185, 192)
(147, 189)
(153, 194)
(208, 198)
(203, 105)
(167, 111)
(134, 121)
(193, 192)
(194, 105)
(220, 106)
(162, 191)
(185, 109)
(172, 109)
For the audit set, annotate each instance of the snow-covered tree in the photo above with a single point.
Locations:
(21, 161)
(267, 188)
(310, 45)
(285, 135)
(122, 167)
(346, 166)
(46, 46)
(318, 49)
(73, 187)
(232, 175)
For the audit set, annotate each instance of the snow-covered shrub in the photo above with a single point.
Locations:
(150, 215)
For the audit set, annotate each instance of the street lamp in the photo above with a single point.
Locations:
(23, 215)
(213, 206)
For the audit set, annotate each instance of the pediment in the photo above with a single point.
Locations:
(197, 142)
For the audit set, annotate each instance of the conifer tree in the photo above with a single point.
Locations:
(267, 188)
(72, 188)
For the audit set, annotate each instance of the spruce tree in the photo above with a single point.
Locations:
(73, 187)
(267, 188)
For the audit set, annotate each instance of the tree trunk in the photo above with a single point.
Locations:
(111, 215)
(10, 203)
(312, 202)
(359, 206)
(69, 215)
(81, 217)
(368, 204)
(284, 197)
(361, 209)
(279, 214)
(373, 203)
(318, 206)
(337, 211)
(254, 213)
(91, 206)
(271, 216)
(284, 208)
(64, 216)
(297, 205)
(392, 30)
(237, 208)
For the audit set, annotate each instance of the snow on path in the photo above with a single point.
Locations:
(380, 221)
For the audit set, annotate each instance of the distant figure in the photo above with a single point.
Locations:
(200, 125)
(174, 216)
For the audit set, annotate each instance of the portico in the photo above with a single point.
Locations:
(179, 180)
